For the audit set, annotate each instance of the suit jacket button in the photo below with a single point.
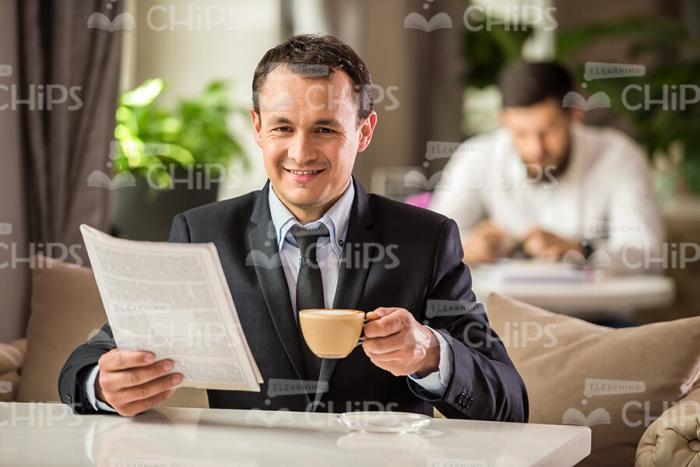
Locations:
(470, 401)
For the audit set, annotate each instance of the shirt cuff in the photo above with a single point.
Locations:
(90, 391)
(437, 381)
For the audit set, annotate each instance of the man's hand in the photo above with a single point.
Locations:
(485, 244)
(397, 343)
(540, 243)
(133, 382)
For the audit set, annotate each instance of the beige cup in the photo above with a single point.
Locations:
(330, 332)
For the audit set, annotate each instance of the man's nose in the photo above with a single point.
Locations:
(536, 148)
(300, 149)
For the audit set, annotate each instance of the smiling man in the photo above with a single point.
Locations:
(313, 238)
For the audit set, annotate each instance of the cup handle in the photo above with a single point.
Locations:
(362, 337)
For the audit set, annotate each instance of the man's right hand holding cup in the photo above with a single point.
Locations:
(133, 381)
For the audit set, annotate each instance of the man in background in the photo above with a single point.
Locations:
(546, 186)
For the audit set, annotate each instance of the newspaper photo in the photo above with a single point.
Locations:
(172, 299)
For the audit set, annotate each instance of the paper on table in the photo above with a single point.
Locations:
(542, 271)
(173, 299)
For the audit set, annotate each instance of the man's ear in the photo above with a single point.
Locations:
(257, 126)
(367, 130)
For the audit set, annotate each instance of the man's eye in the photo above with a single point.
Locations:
(326, 130)
(282, 129)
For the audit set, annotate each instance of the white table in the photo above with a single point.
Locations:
(49, 434)
(613, 294)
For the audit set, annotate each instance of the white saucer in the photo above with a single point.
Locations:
(384, 422)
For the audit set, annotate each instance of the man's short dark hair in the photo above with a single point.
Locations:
(317, 57)
(524, 84)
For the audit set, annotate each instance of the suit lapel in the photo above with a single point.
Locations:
(268, 268)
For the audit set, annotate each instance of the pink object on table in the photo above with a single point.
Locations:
(421, 200)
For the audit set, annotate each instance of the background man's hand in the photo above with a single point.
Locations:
(485, 243)
(540, 243)
(133, 382)
(397, 343)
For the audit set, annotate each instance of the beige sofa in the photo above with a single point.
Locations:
(637, 388)
(617, 381)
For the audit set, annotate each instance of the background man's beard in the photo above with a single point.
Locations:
(548, 173)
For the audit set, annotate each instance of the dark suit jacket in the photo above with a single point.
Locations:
(422, 262)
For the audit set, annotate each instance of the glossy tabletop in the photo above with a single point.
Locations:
(33, 434)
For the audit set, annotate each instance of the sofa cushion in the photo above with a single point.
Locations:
(617, 381)
(66, 310)
(11, 357)
(12, 354)
(8, 385)
(674, 438)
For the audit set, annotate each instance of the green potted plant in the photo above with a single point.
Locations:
(664, 130)
(176, 157)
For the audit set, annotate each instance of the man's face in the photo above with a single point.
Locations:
(540, 133)
(309, 134)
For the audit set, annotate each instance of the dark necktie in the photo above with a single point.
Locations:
(309, 284)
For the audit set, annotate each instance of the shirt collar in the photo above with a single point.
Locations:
(336, 219)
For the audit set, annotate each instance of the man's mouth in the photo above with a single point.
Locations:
(304, 176)
(304, 172)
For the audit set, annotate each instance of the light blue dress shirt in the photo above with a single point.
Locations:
(329, 254)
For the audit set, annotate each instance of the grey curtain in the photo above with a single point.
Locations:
(64, 145)
(55, 131)
(14, 276)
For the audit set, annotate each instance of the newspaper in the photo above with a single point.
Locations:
(173, 299)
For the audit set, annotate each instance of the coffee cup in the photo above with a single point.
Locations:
(331, 332)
